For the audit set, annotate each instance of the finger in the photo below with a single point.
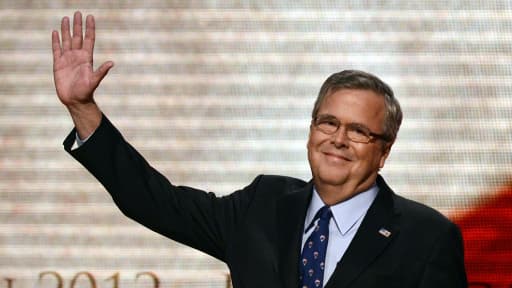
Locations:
(65, 34)
(90, 34)
(57, 50)
(102, 71)
(76, 42)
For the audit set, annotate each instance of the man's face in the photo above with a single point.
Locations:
(335, 160)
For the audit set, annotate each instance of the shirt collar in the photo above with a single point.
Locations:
(345, 213)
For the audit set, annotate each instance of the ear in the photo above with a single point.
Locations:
(386, 149)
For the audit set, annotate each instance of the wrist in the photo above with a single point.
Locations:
(86, 117)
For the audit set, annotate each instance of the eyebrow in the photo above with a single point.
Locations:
(360, 125)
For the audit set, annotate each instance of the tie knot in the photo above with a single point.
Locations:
(324, 213)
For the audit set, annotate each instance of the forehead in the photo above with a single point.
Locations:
(355, 106)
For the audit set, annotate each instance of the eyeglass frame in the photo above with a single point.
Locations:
(372, 136)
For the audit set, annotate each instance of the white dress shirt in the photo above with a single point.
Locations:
(347, 217)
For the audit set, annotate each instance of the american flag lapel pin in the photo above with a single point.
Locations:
(384, 232)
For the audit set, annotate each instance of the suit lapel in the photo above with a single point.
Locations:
(291, 212)
(368, 242)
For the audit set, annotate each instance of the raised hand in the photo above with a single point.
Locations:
(73, 73)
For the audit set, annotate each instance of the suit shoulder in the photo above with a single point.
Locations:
(282, 181)
(269, 186)
(420, 213)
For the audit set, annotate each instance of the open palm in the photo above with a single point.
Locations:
(74, 77)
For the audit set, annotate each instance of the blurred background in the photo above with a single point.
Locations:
(214, 93)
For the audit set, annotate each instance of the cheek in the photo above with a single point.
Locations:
(309, 148)
(376, 160)
(313, 147)
(313, 142)
(311, 151)
(367, 156)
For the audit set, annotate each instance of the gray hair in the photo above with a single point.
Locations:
(354, 79)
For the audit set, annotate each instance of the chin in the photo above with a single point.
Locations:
(333, 178)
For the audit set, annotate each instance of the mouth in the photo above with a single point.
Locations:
(336, 156)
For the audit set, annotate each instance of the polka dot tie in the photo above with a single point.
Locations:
(313, 254)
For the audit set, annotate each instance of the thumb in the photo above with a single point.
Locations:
(102, 71)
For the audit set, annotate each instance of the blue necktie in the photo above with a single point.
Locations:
(313, 254)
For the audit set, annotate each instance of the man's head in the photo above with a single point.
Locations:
(355, 122)
(354, 79)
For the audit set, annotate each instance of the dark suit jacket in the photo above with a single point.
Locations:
(257, 230)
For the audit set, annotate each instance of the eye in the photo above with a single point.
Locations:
(327, 124)
(331, 122)
(327, 120)
(361, 130)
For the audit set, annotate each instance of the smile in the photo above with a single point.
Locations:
(336, 157)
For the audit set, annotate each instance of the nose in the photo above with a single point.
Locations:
(340, 139)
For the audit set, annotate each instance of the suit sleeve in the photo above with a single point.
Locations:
(190, 216)
(445, 266)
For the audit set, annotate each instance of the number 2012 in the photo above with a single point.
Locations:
(115, 278)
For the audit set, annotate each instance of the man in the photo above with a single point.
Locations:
(345, 228)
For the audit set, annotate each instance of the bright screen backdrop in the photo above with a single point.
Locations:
(214, 93)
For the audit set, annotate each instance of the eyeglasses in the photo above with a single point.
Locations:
(355, 132)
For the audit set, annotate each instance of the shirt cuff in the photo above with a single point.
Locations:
(80, 142)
